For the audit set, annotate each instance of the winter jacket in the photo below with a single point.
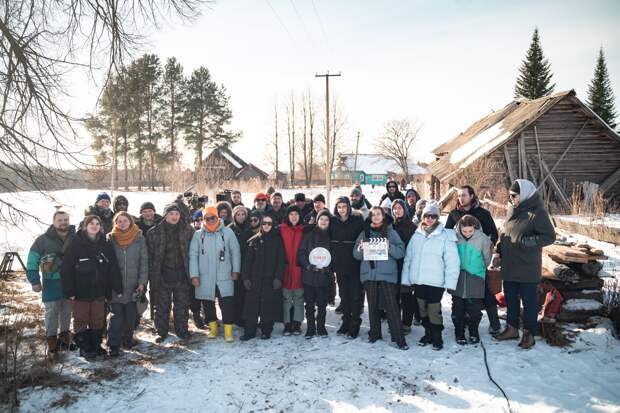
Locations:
(396, 195)
(379, 270)
(343, 235)
(89, 269)
(144, 227)
(48, 245)
(279, 216)
(311, 275)
(213, 256)
(291, 237)
(362, 207)
(475, 257)
(405, 229)
(411, 209)
(243, 234)
(156, 243)
(105, 215)
(134, 265)
(432, 259)
(526, 231)
(483, 215)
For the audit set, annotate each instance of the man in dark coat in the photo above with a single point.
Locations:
(345, 227)
(101, 208)
(148, 217)
(235, 199)
(392, 192)
(303, 204)
(168, 244)
(526, 231)
(468, 204)
(262, 273)
(241, 227)
(319, 205)
(278, 209)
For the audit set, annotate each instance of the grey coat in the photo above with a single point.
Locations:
(134, 265)
(205, 263)
(380, 270)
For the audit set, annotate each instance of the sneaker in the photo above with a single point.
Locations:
(460, 340)
(474, 339)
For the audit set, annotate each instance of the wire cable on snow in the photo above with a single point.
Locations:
(486, 364)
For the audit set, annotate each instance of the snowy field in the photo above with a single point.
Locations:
(291, 374)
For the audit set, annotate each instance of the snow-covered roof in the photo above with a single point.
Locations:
(373, 164)
(230, 158)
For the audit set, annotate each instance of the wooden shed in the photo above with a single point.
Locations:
(223, 165)
(556, 141)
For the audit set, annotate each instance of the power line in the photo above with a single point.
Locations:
(301, 20)
(316, 13)
(280, 21)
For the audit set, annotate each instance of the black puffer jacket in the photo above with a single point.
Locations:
(105, 215)
(90, 270)
(343, 235)
(311, 275)
(395, 195)
(483, 215)
(527, 230)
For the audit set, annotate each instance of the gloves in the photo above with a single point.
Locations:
(247, 284)
(529, 242)
(277, 284)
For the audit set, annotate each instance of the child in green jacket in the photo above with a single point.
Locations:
(467, 299)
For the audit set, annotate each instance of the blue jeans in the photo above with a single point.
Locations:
(515, 293)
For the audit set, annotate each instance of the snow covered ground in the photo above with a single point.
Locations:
(609, 220)
(291, 374)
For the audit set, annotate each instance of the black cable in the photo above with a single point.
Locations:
(486, 364)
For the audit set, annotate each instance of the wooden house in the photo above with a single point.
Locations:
(223, 165)
(372, 169)
(556, 141)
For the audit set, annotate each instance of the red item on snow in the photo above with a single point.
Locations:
(501, 300)
(551, 302)
(292, 236)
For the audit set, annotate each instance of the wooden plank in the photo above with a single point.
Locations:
(556, 186)
(511, 169)
(570, 145)
(542, 175)
(609, 182)
(521, 156)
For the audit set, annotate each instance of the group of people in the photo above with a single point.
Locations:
(278, 261)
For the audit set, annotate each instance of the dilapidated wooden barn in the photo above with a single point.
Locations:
(223, 165)
(556, 141)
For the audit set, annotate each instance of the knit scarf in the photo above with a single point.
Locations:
(212, 227)
(430, 228)
(124, 238)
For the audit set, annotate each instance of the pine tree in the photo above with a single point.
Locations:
(171, 102)
(535, 75)
(600, 94)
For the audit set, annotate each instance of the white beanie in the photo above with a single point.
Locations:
(387, 203)
(431, 208)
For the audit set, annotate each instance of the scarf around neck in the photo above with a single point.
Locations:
(124, 238)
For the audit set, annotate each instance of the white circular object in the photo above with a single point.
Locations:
(320, 257)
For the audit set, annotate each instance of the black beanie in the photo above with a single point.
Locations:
(147, 205)
(320, 198)
(171, 207)
(515, 187)
(300, 197)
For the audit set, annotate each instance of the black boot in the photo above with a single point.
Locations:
(344, 328)
(354, 329)
(95, 341)
(427, 337)
(82, 339)
(459, 333)
(248, 334)
(114, 351)
(288, 329)
(296, 329)
(436, 338)
(495, 326)
(339, 309)
(199, 322)
(474, 335)
(310, 326)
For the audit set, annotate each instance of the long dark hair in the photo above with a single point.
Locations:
(383, 230)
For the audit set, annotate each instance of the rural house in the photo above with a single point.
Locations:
(223, 165)
(373, 169)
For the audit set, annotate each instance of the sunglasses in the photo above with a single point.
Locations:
(254, 219)
(211, 219)
(431, 216)
(267, 224)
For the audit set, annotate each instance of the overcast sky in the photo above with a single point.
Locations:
(443, 63)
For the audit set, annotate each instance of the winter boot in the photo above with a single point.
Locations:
(114, 351)
(527, 341)
(436, 338)
(248, 334)
(65, 343)
(320, 325)
(95, 341)
(52, 344)
(403, 345)
(310, 325)
(474, 335)
(296, 328)
(426, 338)
(509, 333)
(288, 329)
(198, 322)
(354, 329)
(82, 339)
(494, 324)
(459, 332)
(212, 330)
(228, 333)
(344, 328)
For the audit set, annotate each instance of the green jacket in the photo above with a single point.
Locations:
(51, 246)
(475, 256)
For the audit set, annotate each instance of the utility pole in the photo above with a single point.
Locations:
(328, 162)
(357, 146)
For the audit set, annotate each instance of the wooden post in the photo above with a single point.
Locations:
(511, 169)
(556, 186)
(570, 145)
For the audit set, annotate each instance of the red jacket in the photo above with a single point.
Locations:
(292, 237)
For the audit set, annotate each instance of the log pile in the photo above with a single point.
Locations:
(573, 269)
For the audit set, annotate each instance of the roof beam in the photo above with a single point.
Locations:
(570, 145)
(609, 181)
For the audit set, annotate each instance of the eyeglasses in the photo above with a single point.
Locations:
(254, 219)
(267, 224)
(211, 219)
(431, 216)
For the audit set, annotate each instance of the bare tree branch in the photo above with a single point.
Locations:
(396, 141)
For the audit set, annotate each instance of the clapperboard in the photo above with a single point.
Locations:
(376, 249)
